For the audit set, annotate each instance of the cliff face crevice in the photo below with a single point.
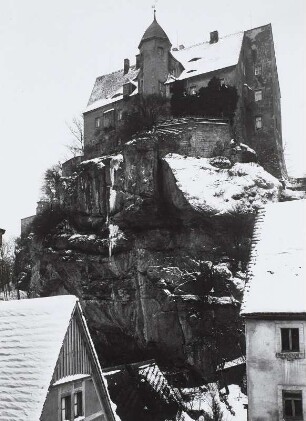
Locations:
(155, 245)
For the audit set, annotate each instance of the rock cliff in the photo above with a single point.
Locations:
(156, 247)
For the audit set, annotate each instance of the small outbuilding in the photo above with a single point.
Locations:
(274, 309)
(49, 370)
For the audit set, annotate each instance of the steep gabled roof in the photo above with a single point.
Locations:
(205, 57)
(277, 270)
(109, 88)
(31, 335)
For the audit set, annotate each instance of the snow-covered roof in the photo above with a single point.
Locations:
(205, 57)
(277, 276)
(32, 332)
(109, 88)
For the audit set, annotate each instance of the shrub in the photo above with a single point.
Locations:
(47, 221)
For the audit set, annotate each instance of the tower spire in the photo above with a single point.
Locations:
(154, 10)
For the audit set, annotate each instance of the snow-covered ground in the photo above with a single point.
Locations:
(203, 401)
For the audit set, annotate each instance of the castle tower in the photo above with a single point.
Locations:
(153, 60)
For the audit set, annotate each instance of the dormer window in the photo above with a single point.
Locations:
(195, 59)
(190, 71)
(160, 51)
(193, 90)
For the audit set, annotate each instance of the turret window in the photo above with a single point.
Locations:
(257, 70)
(160, 51)
(258, 123)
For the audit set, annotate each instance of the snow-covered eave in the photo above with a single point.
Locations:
(100, 103)
(275, 316)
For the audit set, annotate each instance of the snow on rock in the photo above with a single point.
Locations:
(95, 161)
(288, 194)
(244, 188)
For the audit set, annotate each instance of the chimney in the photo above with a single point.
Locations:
(214, 37)
(126, 66)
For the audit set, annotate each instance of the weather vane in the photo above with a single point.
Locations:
(154, 8)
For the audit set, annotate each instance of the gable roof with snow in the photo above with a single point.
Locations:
(206, 57)
(109, 88)
(32, 333)
(277, 281)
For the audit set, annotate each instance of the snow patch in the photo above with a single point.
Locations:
(244, 188)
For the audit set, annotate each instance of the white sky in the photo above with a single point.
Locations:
(52, 51)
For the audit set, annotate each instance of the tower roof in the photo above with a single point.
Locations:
(154, 31)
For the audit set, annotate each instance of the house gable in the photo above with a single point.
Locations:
(77, 371)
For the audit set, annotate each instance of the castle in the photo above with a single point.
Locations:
(245, 60)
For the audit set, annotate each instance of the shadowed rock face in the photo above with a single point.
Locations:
(160, 271)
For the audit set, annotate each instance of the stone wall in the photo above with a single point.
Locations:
(195, 137)
(258, 52)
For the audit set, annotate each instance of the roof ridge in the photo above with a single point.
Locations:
(207, 42)
(117, 71)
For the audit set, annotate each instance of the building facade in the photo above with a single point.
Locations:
(274, 309)
(245, 60)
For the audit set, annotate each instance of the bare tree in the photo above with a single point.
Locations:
(7, 258)
(76, 129)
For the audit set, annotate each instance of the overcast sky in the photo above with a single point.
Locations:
(52, 51)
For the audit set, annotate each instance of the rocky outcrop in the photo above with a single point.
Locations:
(156, 248)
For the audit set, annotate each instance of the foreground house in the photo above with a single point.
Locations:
(275, 315)
(49, 370)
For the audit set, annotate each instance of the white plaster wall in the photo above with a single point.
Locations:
(268, 374)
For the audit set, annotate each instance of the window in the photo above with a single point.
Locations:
(222, 81)
(160, 51)
(141, 85)
(258, 95)
(243, 68)
(258, 123)
(97, 122)
(193, 90)
(108, 118)
(66, 408)
(78, 404)
(257, 70)
(292, 405)
(119, 114)
(161, 88)
(290, 339)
